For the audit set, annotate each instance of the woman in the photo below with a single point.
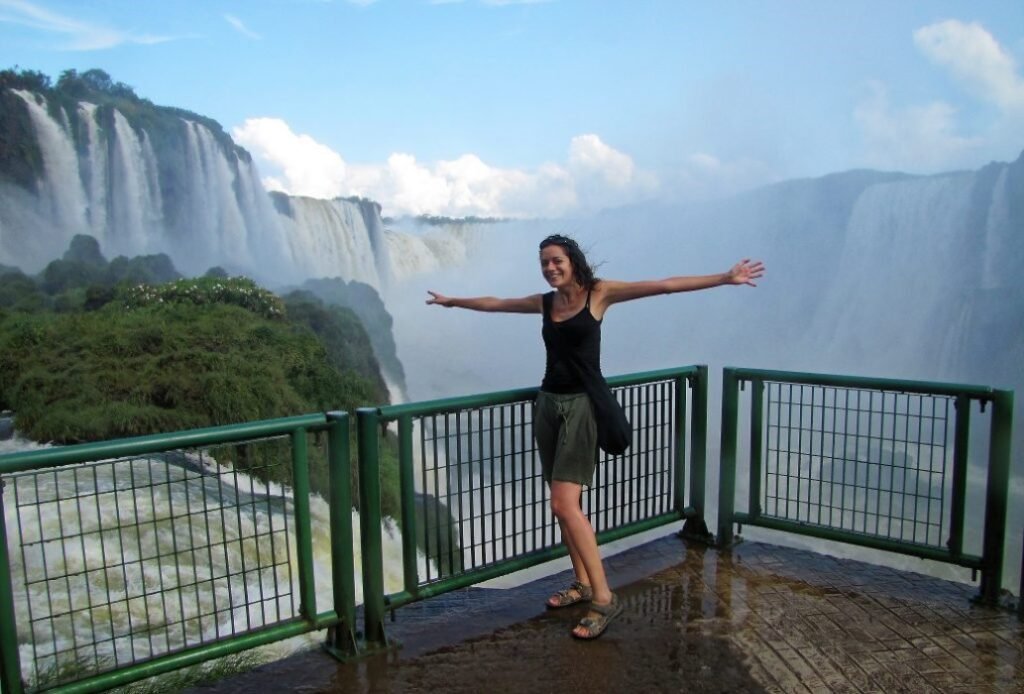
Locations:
(563, 418)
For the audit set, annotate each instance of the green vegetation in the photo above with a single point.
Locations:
(21, 160)
(364, 301)
(205, 291)
(86, 356)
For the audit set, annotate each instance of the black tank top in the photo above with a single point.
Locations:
(579, 335)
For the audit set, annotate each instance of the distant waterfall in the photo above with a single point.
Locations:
(61, 195)
(912, 228)
(199, 200)
(94, 172)
(442, 247)
(136, 207)
(334, 238)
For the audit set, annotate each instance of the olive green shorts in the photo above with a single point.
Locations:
(566, 434)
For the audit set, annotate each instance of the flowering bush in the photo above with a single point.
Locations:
(237, 291)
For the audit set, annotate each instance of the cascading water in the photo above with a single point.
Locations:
(213, 202)
(94, 173)
(332, 238)
(121, 599)
(61, 194)
(136, 208)
(192, 197)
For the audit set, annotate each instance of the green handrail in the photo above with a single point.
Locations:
(498, 423)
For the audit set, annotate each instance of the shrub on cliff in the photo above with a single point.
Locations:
(177, 359)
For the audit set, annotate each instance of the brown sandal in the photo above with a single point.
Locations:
(575, 593)
(595, 626)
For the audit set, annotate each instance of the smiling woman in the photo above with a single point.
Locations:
(564, 423)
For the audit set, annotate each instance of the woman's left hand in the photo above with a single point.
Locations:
(745, 272)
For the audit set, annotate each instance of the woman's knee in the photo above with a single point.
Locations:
(565, 499)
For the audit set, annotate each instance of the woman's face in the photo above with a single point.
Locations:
(556, 266)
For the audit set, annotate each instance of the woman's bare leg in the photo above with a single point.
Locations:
(579, 538)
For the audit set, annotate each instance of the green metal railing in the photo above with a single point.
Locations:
(126, 559)
(474, 504)
(874, 462)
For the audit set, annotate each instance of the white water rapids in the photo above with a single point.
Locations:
(144, 558)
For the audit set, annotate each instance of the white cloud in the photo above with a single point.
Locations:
(81, 36)
(922, 137)
(976, 59)
(240, 27)
(589, 156)
(936, 136)
(595, 176)
(604, 176)
(306, 166)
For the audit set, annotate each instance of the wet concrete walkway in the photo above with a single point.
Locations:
(760, 618)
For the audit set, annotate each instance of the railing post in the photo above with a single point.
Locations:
(695, 527)
(10, 665)
(997, 491)
(341, 638)
(961, 438)
(756, 445)
(367, 419)
(699, 439)
(303, 529)
(408, 492)
(727, 453)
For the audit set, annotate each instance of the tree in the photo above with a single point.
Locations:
(85, 249)
(31, 80)
(147, 269)
(61, 275)
(79, 85)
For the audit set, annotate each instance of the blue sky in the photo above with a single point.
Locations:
(558, 107)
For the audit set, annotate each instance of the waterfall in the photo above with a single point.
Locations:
(332, 238)
(64, 524)
(901, 279)
(60, 191)
(94, 173)
(199, 200)
(136, 209)
(216, 227)
(999, 249)
(439, 248)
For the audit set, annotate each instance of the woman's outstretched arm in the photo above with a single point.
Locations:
(527, 304)
(743, 272)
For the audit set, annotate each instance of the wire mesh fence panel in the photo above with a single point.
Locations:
(120, 561)
(870, 462)
(482, 498)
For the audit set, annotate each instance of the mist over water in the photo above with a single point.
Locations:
(867, 274)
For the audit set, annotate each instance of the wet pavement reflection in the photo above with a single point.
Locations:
(760, 618)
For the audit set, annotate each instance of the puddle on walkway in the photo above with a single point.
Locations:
(762, 618)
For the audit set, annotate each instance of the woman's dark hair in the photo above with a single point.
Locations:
(582, 271)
